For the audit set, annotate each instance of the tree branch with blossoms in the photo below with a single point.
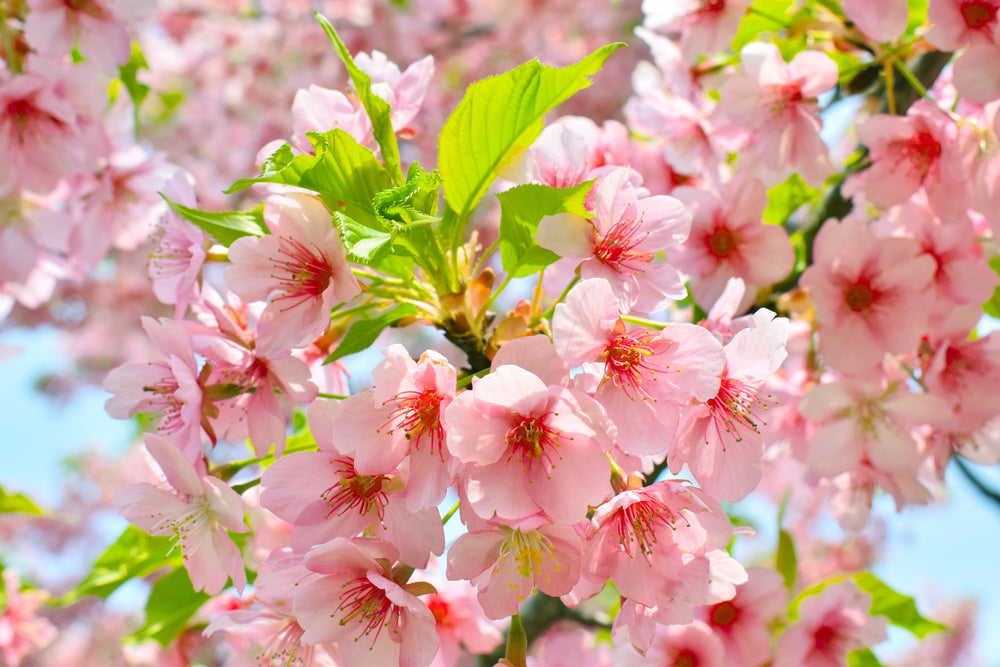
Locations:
(590, 340)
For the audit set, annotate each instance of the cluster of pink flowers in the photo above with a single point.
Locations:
(826, 358)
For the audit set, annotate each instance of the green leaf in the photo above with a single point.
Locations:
(172, 602)
(17, 503)
(521, 209)
(378, 109)
(786, 198)
(757, 21)
(224, 226)
(992, 307)
(363, 244)
(414, 201)
(785, 560)
(863, 658)
(134, 554)
(899, 609)
(363, 333)
(497, 118)
(128, 73)
(918, 15)
(343, 172)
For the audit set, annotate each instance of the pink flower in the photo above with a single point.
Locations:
(882, 22)
(652, 543)
(175, 265)
(401, 417)
(728, 239)
(21, 629)
(300, 266)
(572, 150)
(868, 293)
(530, 447)
(777, 101)
(958, 23)
(45, 135)
(351, 599)
(642, 376)
(619, 243)
(325, 497)
(318, 109)
(196, 511)
(720, 440)
(706, 26)
(95, 27)
(508, 564)
(676, 645)
(926, 148)
(741, 623)
(975, 74)
(829, 626)
(865, 422)
(459, 620)
(171, 388)
(404, 91)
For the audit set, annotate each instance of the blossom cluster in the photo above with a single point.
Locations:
(722, 303)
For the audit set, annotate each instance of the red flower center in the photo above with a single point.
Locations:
(354, 492)
(723, 614)
(418, 413)
(722, 242)
(859, 297)
(978, 13)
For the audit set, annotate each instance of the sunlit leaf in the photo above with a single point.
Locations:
(363, 333)
(224, 226)
(172, 602)
(133, 554)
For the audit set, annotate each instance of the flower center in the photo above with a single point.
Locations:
(859, 297)
(303, 273)
(617, 248)
(354, 492)
(722, 242)
(686, 658)
(529, 439)
(418, 413)
(735, 410)
(636, 525)
(978, 14)
(723, 614)
(529, 551)
(367, 605)
(628, 362)
(922, 151)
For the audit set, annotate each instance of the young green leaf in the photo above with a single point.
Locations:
(863, 658)
(786, 198)
(786, 560)
(363, 333)
(762, 16)
(497, 118)
(992, 307)
(17, 503)
(224, 226)
(521, 209)
(344, 173)
(172, 602)
(378, 109)
(363, 244)
(134, 554)
(899, 609)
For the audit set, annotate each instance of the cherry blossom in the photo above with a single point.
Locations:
(301, 266)
(619, 242)
(196, 511)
